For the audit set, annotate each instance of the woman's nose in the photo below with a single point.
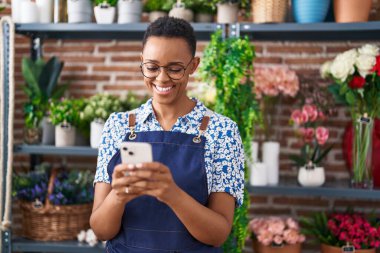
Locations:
(162, 76)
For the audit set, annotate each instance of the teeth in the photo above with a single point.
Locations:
(162, 89)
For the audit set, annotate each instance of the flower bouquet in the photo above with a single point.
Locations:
(350, 231)
(55, 205)
(356, 76)
(275, 234)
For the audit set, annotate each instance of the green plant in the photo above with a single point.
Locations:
(227, 63)
(41, 81)
(158, 5)
(244, 4)
(105, 2)
(199, 6)
(64, 111)
(132, 101)
(100, 107)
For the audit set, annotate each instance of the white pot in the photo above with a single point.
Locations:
(203, 17)
(45, 10)
(104, 14)
(271, 158)
(227, 13)
(64, 135)
(48, 131)
(129, 11)
(258, 176)
(311, 177)
(16, 10)
(156, 14)
(254, 151)
(96, 133)
(79, 11)
(29, 12)
(179, 11)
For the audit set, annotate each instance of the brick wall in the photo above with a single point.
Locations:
(112, 66)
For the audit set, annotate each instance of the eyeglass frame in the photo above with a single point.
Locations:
(165, 67)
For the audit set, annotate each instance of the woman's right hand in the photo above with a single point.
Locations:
(121, 183)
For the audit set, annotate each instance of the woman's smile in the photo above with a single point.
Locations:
(161, 90)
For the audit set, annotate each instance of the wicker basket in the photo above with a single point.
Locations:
(269, 11)
(53, 223)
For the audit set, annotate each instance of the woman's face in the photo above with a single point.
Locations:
(174, 54)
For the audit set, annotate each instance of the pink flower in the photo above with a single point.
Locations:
(265, 238)
(321, 116)
(258, 225)
(276, 225)
(307, 134)
(322, 134)
(291, 236)
(299, 117)
(311, 111)
(291, 223)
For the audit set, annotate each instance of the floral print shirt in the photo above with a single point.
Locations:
(224, 154)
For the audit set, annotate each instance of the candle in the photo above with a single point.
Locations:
(45, 10)
(29, 12)
(258, 176)
(271, 157)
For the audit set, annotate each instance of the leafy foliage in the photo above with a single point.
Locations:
(100, 106)
(105, 2)
(227, 63)
(64, 111)
(132, 101)
(158, 5)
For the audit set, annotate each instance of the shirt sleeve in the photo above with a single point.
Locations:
(228, 163)
(107, 148)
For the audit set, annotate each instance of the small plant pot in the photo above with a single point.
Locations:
(311, 11)
(332, 249)
(179, 11)
(156, 14)
(64, 135)
(129, 11)
(79, 11)
(352, 10)
(291, 248)
(96, 133)
(48, 132)
(227, 13)
(32, 135)
(311, 177)
(104, 14)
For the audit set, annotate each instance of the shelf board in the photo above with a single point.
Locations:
(330, 190)
(132, 31)
(25, 245)
(53, 150)
(277, 31)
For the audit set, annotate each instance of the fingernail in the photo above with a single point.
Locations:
(139, 165)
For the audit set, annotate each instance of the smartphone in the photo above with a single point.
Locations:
(136, 152)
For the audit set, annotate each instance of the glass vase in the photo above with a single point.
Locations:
(362, 153)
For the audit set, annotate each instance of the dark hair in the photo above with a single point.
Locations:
(172, 28)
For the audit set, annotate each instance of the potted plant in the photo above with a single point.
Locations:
(203, 11)
(105, 11)
(157, 8)
(313, 136)
(41, 85)
(82, 126)
(343, 231)
(129, 11)
(227, 10)
(55, 204)
(79, 11)
(234, 99)
(312, 11)
(132, 101)
(97, 111)
(63, 115)
(352, 10)
(275, 235)
(181, 10)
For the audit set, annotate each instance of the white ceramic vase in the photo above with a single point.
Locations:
(258, 176)
(129, 11)
(227, 13)
(28, 12)
(64, 135)
(79, 11)
(45, 10)
(311, 177)
(104, 14)
(179, 11)
(96, 133)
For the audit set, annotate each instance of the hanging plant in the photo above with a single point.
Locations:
(227, 63)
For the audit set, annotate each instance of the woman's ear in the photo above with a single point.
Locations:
(195, 64)
(141, 57)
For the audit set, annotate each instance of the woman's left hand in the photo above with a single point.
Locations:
(158, 181)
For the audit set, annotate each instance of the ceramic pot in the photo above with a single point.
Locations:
(227, 13)
(179, 11)
(104, 14)
(45, 10)
(310, 11)
(352, 10)
(79, 11)
(129, 11)
(48, 131)
(28, 12)
(261, 248)
(64, 135)
(311, 177)
(331, 249)
(96, 133)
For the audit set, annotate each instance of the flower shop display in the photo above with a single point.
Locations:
(356, 76)
(105, 11)
(97, 110)
(275, 235)
(348, 230)
(307, 122)
(129, 11)
(55, 205)
(41, 84)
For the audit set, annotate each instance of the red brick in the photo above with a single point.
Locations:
(120, 48)
(125, 58)
(258, 199)
(269, 60)
(116, 68)
(82, 59)
(307, 201)
(74, 69)
(295, 49)
(69, 49)
(269, 211)
(85, 77)
(302, 61)
(127, 78)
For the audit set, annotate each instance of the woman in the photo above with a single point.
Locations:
(183, 201)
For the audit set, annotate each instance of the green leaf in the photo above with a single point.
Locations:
(49, 76)
(350, 98)
(323, 154)
(28, 70)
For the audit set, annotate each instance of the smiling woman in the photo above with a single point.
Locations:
(183, 201)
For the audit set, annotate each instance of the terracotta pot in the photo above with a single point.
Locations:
(260, 248)
(331, 249)
(352, 10)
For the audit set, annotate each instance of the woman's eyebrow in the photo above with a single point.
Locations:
(169, 63)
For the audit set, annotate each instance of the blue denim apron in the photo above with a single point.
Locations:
(149, 225)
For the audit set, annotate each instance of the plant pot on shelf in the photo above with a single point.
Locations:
(79, 11)
(227, 13)
(352, 10)
(104, 14)
(203, 17)
(81, 139)
(96, 132)
(311, 11)
(64, 135)
(269, 11)
(156, 14)
(291, 248)
(179, 11)
(311, 176)
(332, 249)
(48, 132)
(32, 135)
(129, 11)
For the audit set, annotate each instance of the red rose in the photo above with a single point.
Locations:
(376, 68)
(357, 82)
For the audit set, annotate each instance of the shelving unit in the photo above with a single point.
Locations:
(257, 32)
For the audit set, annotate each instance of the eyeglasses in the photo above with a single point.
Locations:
(174, 71)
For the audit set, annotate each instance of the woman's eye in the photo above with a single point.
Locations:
(152, 68)
(175, 69)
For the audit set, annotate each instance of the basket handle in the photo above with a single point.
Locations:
(53, 176)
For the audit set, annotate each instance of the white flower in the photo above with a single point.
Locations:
(342, 66)
(81, 236)
(325, 69)
(349, 56)
(91, 237)
(365, 63)
(369, 49)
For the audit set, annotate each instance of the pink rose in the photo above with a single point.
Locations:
(291, 223)
(311, 111)
(276, 225)
(307, 134)
(322, 134)
(299, 117)
(291, 236)
(258, 225)
(265, 238)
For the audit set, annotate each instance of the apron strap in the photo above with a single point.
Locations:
(132, 124)
(203, 126)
